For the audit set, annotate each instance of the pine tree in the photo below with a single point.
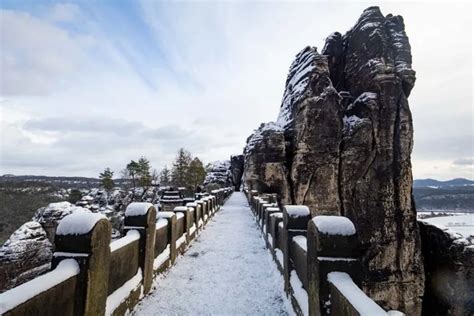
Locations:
(165, 176)
(74, 196)
(143, 171)
(180, 168)
(131, 172)
(106, 179)
(196, 173)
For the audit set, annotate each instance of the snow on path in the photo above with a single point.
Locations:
(226, 270)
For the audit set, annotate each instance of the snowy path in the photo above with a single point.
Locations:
(226, 270)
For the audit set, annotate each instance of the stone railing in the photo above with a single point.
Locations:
(91, 275)
(318, 257)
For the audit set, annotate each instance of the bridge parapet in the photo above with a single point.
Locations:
(93, 276)
(308, 250)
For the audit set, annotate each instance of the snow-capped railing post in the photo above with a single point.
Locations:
(332, 246)
(262, 219)
(267, 216)
(188, 221)
(260, 202)
(295, 222)
(205, 207)
(202, 211)
(172, 232)
(141, 216)
(197, 213)
(85, 237)
(252, 195)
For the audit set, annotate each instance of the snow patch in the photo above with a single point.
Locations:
(78, 223)
(137, 208)
(122, 293)
(294, 211)
(336, 259)
(66, 269)
(165, 214)
(361, 302)
(181, 209)
(162, 222)
(131, 236)
(334, 225)
(161, 258)
(299, 292)
(181, 240)
(300, 240)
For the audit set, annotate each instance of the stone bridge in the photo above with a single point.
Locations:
(167, 263)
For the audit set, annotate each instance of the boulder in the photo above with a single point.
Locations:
(218, 175)
(25, 255)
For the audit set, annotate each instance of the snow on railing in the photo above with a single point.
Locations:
(83, 242)
(363, 304)
(131, 236)
(66, 269)
(293, 236)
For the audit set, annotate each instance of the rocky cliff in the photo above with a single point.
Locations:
(342, 144)
(237, 170)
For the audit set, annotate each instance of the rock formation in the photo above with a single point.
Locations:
(265, 162)
(236, 170)
(24, 255)
(218, 175)
(449, 266)
(342, 145)
(50, 216)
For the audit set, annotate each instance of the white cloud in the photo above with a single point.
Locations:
(79, 97)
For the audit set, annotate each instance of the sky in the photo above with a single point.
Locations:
(86, 85)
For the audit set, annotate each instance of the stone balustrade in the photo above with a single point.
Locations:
(91, 275)
(307, 251)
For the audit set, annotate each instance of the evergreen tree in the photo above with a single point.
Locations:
(180, 168)
(131, 172)
(196, 173)
(106, 179)
(74, 196)
(165, 176)
(143, 171)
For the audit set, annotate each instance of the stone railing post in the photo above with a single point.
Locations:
(187, 211)
(172, 232)
(141, 216)
(85, 237)
(295, 222)
(332, 246)
(197, 213)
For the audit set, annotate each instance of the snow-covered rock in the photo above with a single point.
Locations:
(218, 175)
(24, 255)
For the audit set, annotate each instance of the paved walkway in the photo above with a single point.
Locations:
(227, 271)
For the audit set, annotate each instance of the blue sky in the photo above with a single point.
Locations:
(92, 84)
